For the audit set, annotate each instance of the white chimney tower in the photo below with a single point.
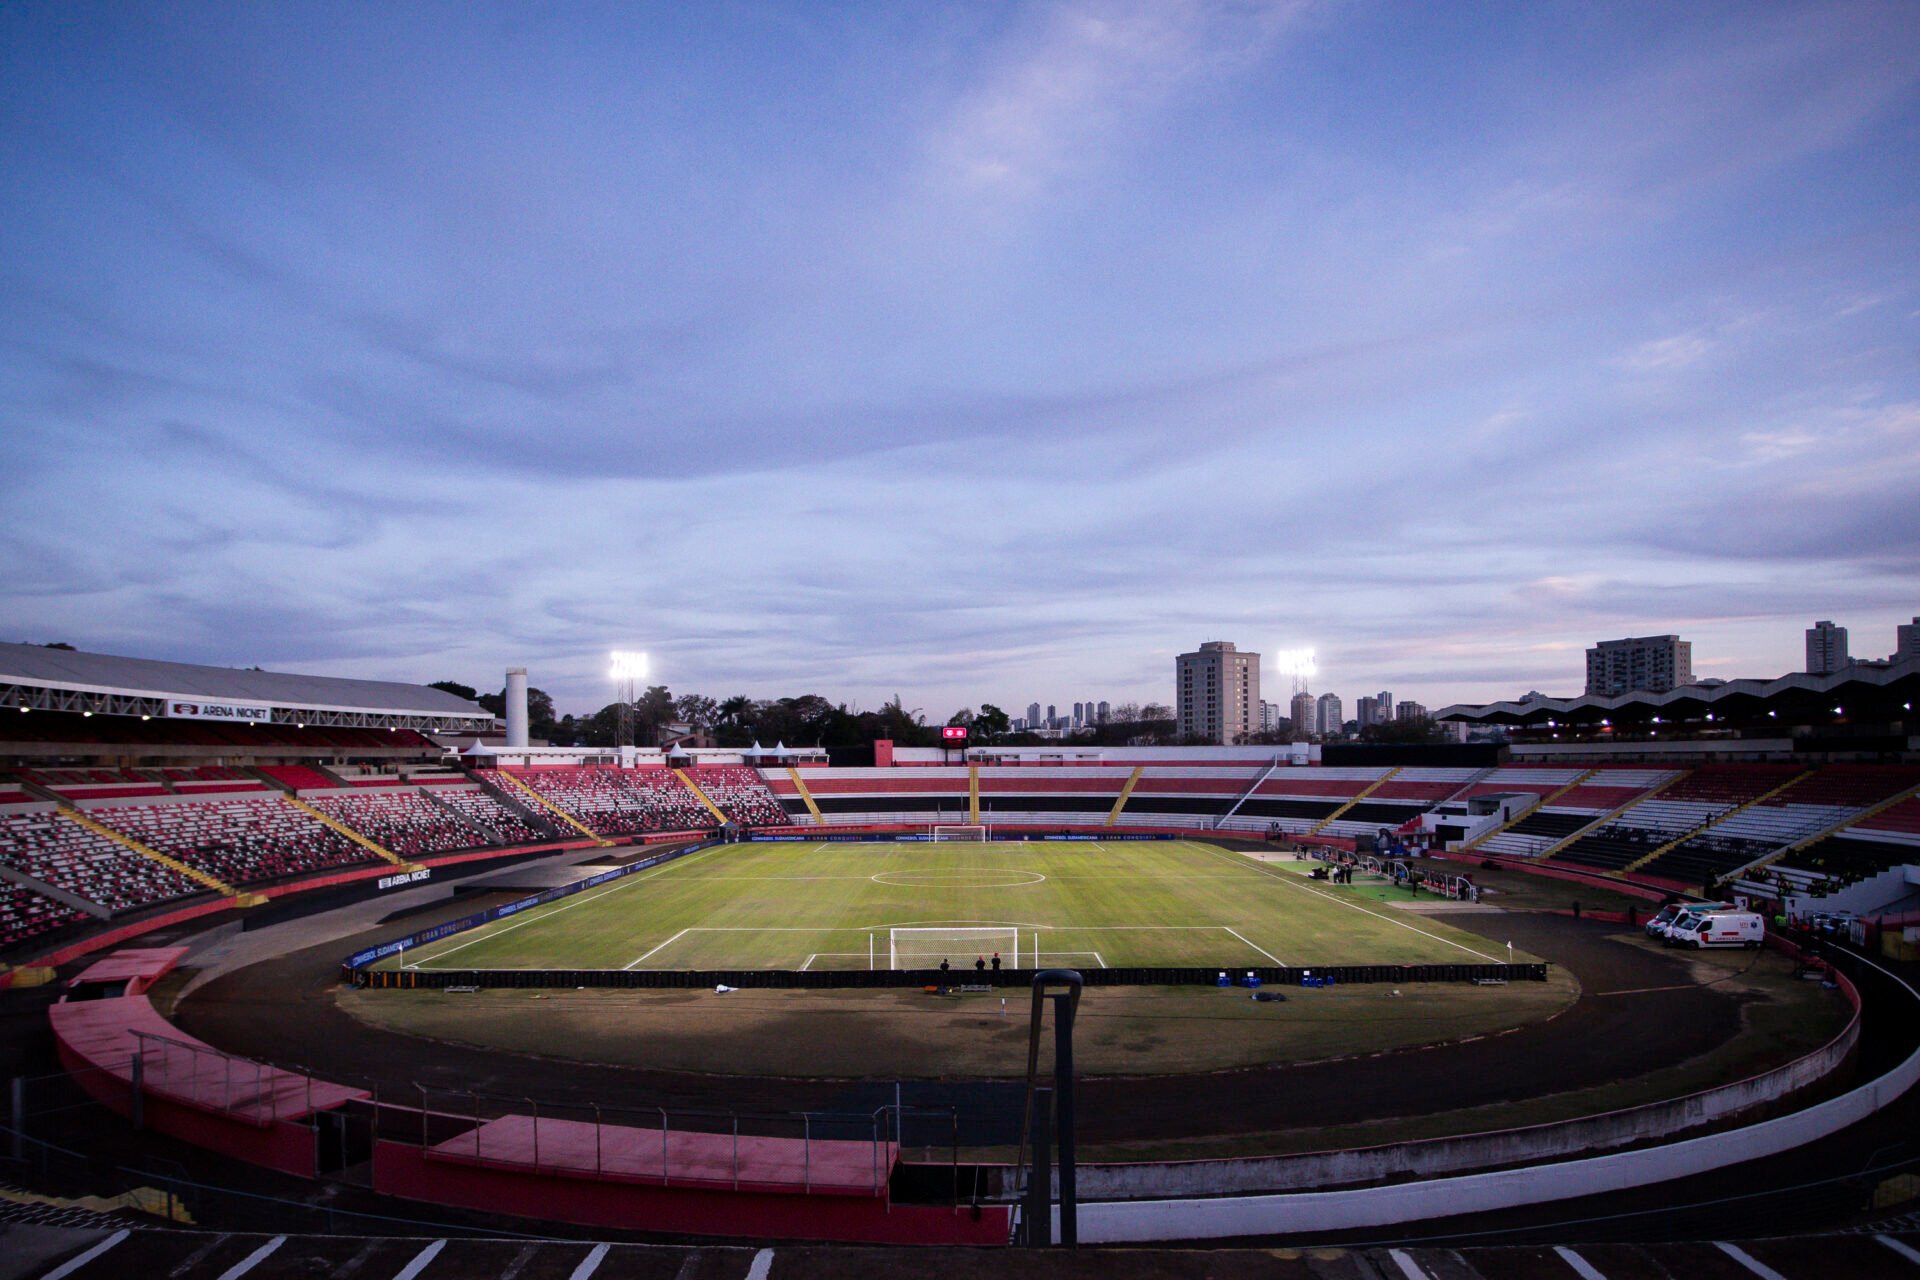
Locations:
(516, 706)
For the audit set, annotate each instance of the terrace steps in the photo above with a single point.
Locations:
(1711, 823)
(558, 812)
(1610, 815)
(806, 796)
(374, 847)
(1366, 791)
(188, 870)
(701, 796)
(1851, 820)
(1537, 805)
(1120, 802)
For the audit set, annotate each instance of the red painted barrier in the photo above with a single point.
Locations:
(405, 1171)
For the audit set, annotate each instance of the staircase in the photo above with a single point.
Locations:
(1541, 803)
(191, 872)
(1370, 788)
(1221, 821)
(1605, 818)
(1133, 779)
(1711, 823)
(558, 812)
(806, 797)
(701, 796)
(377, 850)
(1851, 820)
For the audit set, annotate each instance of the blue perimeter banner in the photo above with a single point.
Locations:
(361, 959)
(868, 837)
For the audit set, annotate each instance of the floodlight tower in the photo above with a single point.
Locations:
(629, 669)
(1297, 663)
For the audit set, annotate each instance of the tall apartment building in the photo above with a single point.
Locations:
(1410, 711)
(1653, 663)
(1302, 710)
(1907, 641)
(1826, 648)
(1328, 721)
(1217, 692)
(1373, 709)
(1033, 715)
(1105, 711)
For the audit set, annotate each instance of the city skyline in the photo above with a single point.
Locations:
(876, 351)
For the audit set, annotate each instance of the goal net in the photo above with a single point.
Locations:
(925, 948)
(964, 831)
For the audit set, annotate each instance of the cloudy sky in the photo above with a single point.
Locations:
(971, 352)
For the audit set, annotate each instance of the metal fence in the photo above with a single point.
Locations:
(824, 979)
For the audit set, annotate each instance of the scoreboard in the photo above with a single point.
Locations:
(952, 734)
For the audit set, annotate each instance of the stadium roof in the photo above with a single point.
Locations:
(1877, 685)
(138, 686)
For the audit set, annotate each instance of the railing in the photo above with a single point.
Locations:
(669, 1146)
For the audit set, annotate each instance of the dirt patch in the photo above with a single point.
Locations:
(912, 1035)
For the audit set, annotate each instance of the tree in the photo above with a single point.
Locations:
(539, 708)
(457, 689)
(964, 716)
(652, 712)
(697, 710)
(991, 723)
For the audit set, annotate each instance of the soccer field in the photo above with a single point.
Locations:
(1069, 903)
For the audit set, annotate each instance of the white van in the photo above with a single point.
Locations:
(1673, 911)
(1719, 929)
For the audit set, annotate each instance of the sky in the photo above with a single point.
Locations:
(968, 352)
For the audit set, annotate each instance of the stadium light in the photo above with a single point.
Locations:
(629, 665)
(1294, 662)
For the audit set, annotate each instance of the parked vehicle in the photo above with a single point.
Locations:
(1719, 929)
(1667, 915)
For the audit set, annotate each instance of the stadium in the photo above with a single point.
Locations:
(302, 954)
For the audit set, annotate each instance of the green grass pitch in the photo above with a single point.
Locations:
(1077, 903)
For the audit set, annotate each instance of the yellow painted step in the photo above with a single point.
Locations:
(191, 872)
(558, 812)
(800, 784)
(701, 796)
(376, 849)
(1113, 818)
(1368, 790)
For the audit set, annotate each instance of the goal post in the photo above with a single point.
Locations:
(968, 831)
(926, 947)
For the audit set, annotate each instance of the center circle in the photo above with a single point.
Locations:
(957, 878)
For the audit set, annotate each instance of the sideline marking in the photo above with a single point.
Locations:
(1294, 881)
(1585, 1269)
(1262, 950)
(486, 931)
(72, 1265)
(669, 942)
(762, 1263)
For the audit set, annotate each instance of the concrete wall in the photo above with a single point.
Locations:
(1117, 1222)
(1431, 1158)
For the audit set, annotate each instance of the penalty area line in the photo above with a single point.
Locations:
(1296, 883)
(662, 947)
(1256, 946)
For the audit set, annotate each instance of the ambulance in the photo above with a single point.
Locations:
(1718, 929)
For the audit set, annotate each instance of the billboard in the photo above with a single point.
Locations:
(184, 709)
